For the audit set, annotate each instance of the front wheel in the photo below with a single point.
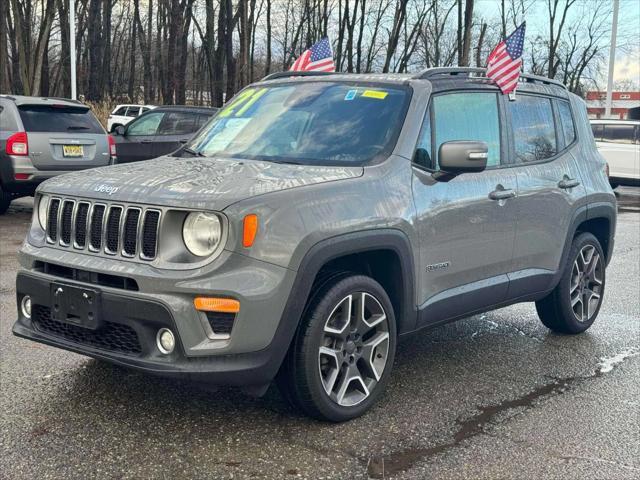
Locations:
(573, 305)
(342, 355)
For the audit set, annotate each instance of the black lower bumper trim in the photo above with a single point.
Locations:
(143, 317)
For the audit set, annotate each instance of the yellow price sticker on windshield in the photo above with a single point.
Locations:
(375, 94)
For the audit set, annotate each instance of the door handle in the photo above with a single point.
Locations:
(567, 182)
(184, 140)
(502, 194)
(145, 141)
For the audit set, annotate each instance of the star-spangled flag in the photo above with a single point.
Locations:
(504, 64)
(318, 58)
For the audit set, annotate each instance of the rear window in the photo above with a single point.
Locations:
(47, 118)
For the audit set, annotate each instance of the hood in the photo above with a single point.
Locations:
(206, 183)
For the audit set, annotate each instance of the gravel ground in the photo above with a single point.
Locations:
(492, 396)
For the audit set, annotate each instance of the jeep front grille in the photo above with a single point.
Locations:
(128, 231)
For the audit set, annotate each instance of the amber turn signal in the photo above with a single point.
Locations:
(213, 304)
(249, 230)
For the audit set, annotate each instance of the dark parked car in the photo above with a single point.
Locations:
(159, 132)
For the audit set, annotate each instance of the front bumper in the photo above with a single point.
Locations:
(249, 356)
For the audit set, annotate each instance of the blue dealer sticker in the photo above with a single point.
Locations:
(351, 94)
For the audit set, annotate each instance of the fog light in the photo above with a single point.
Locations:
(25, 306)
(166, 341)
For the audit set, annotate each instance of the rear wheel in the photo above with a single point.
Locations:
(5, 200)
(342, 355)
(573, 305)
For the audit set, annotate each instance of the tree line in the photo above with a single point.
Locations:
(203, 51)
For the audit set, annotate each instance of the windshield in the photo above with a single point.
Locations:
(321, 123)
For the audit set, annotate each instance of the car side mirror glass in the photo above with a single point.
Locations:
(461, 156)
(119, 130)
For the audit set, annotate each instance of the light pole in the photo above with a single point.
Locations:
(612, 59)
(72, 45)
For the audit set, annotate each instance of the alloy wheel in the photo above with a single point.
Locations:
(354, 349)
(586, 283)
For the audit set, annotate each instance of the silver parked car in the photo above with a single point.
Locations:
(44, 137)
(315, 221)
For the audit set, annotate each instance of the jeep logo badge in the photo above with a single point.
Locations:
(102, 188)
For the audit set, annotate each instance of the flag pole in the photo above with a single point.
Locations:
(612, 59)
(72, 45)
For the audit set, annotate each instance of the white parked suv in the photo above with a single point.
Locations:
(123, 114)
(618, 141)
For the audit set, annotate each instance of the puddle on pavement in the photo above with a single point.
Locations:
(386, 465)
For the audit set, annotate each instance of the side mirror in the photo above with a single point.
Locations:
(461, 156)
(119, 130)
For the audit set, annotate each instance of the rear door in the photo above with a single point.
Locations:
(175, 130)
(543, 143)
(137, 142)
(64, 137)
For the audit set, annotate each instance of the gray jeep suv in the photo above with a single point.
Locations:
(316, 221)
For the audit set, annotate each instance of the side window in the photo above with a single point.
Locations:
(178, 123)
(201, 120)
(423, 149)
(566, 119)
(146, 125)
(467, 116)
(533, 128)
(133, 111)
(122, 111)
(597, 129)
(618, 133)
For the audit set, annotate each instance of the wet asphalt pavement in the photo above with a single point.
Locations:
(493, 396)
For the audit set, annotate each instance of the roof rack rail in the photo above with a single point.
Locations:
(286, 74)
(430, 73)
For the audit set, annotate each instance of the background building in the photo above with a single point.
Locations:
(622, 102)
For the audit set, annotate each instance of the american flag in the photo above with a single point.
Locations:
(505, 61)
(318, 58)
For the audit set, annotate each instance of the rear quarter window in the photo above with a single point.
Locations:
(7, 120)
(48, 118)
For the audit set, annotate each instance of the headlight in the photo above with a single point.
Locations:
(201, 233)
(43, 206)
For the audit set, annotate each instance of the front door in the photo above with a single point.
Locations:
(467, 225)
(137, 142)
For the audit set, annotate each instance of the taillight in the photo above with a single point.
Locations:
(17, 144)
(112, 146)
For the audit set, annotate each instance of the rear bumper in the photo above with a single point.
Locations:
(128, 338)
(12, 165)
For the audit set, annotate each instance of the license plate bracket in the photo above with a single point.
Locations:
(75, 305)
(72, 151)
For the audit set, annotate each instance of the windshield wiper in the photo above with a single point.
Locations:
(193, 152)
(77, 127)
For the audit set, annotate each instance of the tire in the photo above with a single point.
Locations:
(346, 377)
(573, 305)
(5, 201)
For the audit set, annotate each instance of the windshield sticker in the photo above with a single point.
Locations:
(228, 109)
(375, 94)
(250, 101)
(351, 94)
